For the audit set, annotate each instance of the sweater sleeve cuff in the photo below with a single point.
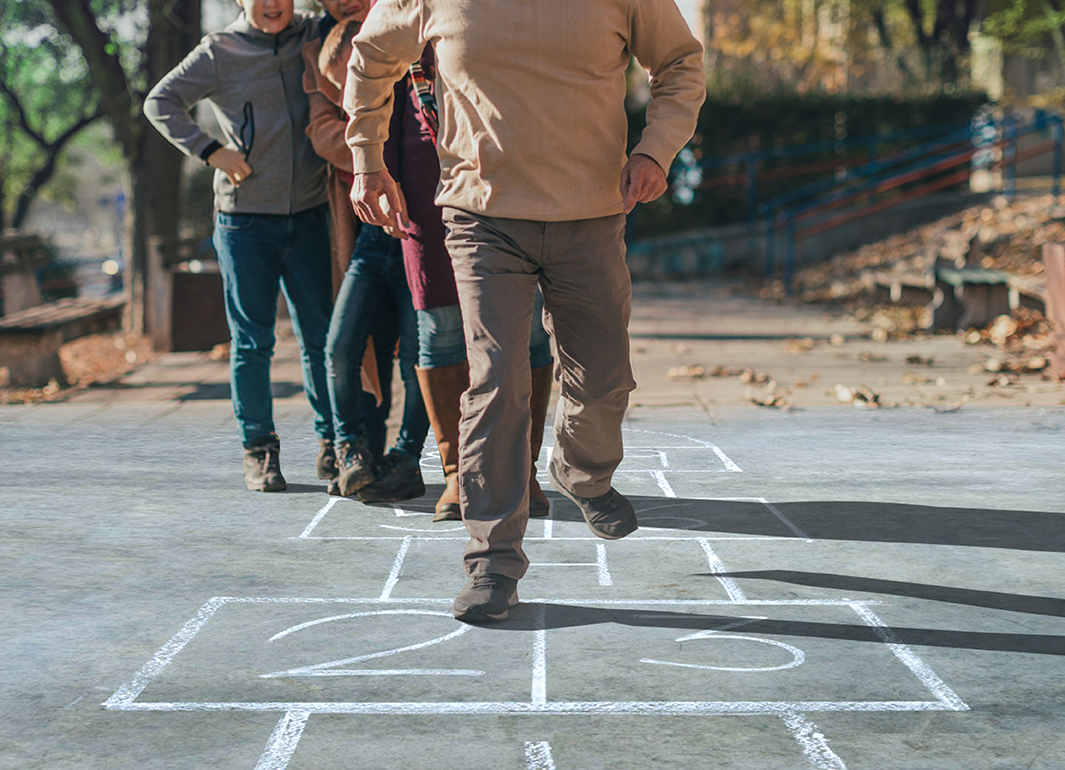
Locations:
(209, 150)
(655, 152)
(366, 159)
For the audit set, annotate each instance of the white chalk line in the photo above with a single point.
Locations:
(397, 565)
(813, 742)
(334, 664)
(787, 522)
(412, 529)
(797, 655)
(318, 518)
(605, 579)
(548, 600)
(128, 693)
(283, 742)
(663, 483)
(636, 537)
(380, 672)
(563, 564)
(718, 568)
(549, 524)
(538, 755)
(539, 658)
(920, 669)
(646, 708)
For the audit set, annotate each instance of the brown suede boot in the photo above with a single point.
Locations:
(542, 378)
(442, 387)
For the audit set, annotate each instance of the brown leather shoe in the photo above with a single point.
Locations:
(610, 516)
(442, 387)
(486, 597)
(262, 465)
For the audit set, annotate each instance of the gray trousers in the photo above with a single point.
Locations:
(580, 267)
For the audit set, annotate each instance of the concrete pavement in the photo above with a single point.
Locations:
(813, 587)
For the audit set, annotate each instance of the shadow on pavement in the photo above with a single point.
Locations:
(846, 584)
(859, 521)
(219, 391)
(528, 617)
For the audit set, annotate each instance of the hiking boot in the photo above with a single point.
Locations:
(448, 507)
(325, 464)
(486, 597)
(262, 465)
(354, 466)
(398, 478)
(610, 516)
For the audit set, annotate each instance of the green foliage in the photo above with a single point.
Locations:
(44, 93)
(1024, 30)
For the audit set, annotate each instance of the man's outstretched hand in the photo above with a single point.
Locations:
(642, 181)
(366, 194)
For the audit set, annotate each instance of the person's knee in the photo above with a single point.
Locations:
(440, 337)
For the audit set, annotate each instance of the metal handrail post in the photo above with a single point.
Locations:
(752, 191)
(1010, 160)
(789, 256)
(770, 244)
(1056, 132)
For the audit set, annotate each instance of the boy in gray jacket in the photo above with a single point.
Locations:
(271, 218)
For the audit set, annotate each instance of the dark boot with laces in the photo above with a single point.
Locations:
(354, 466)
(398, 478)
(262, 465)
(325, 464)
(486, 597)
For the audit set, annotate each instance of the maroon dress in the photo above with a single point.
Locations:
(429, 273)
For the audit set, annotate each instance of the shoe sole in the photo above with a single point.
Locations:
(268, 487)
(558, 486)
(390, 497)
(476, 614)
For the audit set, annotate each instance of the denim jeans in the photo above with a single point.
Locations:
(442, 343)
(257, 255)
(374, 287)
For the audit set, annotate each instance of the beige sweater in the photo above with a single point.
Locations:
(531, 96)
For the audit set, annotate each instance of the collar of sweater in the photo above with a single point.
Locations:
(242, 26)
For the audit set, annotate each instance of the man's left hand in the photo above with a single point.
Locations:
(642, 181)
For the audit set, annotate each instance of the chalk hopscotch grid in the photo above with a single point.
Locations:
(434, 533)
(819, 755)
(945, 699)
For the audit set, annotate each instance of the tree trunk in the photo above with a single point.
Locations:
(155, 166)
(174, 29)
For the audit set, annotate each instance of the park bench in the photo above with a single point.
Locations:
(30, 339)
(956, 293)
(21, 256)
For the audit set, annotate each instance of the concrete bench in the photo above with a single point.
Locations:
(21, 256)
(30, 339)
(968, 296)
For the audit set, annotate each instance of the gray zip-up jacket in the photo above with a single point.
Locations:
(254, 84)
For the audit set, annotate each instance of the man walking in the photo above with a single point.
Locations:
(534, 184)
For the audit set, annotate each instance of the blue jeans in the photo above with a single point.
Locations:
(441, 341)
(374, 288)
(257, 255)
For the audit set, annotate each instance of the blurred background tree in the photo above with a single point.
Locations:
(46, 100)
(97, 59)
(830, 46)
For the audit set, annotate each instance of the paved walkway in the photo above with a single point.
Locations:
(813, 587)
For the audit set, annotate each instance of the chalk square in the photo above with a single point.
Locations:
(250, 652)
(759, 652)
